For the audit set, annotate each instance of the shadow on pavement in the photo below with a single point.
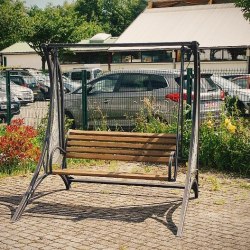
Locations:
(161, 212)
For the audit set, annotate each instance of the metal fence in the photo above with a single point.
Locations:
(120, 99)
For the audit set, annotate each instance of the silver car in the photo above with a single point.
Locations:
(15, 106)
(119, 97)
(25, 95)
(241, 94)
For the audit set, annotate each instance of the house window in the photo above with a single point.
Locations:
(126, 57)
(157, 56)
(230, 54)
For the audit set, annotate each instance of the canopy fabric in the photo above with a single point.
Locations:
(216, 25)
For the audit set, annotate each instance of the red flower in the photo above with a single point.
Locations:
(16, 144)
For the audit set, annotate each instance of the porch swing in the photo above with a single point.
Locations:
(112, 145)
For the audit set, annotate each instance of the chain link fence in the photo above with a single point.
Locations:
(120, 99)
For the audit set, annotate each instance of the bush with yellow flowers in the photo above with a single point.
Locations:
(226, 144)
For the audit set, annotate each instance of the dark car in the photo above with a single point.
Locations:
(13, 71)
(15, 106)
(68, 85)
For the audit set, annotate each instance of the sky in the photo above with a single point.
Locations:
(43, 3)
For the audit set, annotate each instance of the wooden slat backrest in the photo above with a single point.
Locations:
(124, 146)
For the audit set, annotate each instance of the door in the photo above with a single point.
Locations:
(132, 94)
(100, 98)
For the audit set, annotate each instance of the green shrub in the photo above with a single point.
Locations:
(224, 145)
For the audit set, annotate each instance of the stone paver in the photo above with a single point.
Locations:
(95, 216)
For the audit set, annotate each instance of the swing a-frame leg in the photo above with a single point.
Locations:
(35, 182)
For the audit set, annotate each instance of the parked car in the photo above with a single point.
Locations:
(242, 96)
(69, 86)
(76, 74)
(15, 106)
(38, 74)
(18, 71)
(24, 94)
(211, 97)
(25, 72)
(30, 82)
(120, 96)
(242, 81)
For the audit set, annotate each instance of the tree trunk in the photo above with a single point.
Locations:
(43, 62)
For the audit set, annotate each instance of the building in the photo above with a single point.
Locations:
(221, 30)
(23, 56)
(20, 55)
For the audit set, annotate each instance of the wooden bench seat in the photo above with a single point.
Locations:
(120, 146)
(80, 172)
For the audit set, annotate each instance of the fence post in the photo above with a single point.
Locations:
(189, 92)
(8, 96)
(248, 60)
(84, 101)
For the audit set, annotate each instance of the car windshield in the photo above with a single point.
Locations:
(3, 83)
(206, 84)
(30, 79)
(77, 75)
(242, 82)
(224, 84)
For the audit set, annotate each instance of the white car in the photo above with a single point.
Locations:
(76, 73)
(25, 95)
(232, 89)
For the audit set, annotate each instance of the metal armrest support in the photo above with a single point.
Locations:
(52, 154)
(170, 164)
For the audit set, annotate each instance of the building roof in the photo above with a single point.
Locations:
(20, 47)
(217, 25)
(101, 38)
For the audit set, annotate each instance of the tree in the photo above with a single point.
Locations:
(90, 9)
(58, 24)
(113, 15)
(13, 22)
(245, 6)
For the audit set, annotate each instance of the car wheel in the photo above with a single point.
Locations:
(41, 96)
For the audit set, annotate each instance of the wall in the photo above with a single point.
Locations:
(24, 61)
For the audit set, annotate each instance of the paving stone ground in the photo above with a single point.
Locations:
(98, 216)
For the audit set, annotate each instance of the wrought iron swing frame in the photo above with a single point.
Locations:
(57, 105)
